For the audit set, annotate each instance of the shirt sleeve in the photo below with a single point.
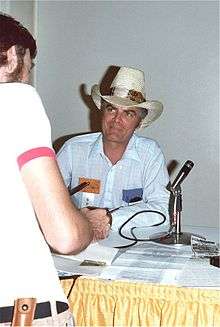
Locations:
(31, 124)
(33, 154)
(64, 159)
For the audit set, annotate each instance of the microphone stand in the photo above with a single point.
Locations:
(175, 235)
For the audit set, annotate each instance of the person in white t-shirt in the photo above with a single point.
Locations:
(36, 211)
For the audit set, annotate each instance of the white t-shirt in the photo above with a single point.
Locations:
(27, 268)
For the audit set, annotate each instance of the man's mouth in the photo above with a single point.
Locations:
(116, 127)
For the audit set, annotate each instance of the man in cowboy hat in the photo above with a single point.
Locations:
(123, 169)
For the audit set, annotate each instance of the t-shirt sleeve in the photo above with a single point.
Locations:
(32, 126)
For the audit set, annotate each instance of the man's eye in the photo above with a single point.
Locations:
(109, 109)
(130, 114)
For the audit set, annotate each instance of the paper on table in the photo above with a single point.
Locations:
(152, 248)
(167, 276)
(157, 261)
(204, 248)
(69, 267)
(199, 273)
(149, 262)
(154, 255)
(94, 252)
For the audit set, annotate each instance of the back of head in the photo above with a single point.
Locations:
(13, 33)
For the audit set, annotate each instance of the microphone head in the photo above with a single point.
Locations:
(189, 164)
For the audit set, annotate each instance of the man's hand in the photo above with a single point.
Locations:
(99, 220)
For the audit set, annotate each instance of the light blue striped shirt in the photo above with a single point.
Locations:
(141, 174)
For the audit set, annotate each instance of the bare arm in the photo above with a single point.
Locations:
(65, 229)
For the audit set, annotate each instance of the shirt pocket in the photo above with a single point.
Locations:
(132, 195)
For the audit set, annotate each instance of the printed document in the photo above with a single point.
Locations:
(150, 262)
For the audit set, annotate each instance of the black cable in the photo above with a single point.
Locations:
(75, 277)
(135, 239)
(126, 246)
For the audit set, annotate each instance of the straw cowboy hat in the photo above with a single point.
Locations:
(128, 90)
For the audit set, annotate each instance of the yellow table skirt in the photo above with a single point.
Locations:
(96, 302)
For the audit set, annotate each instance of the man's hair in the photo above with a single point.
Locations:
(13, 33)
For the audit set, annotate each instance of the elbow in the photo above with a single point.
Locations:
(74, 247)
(71, 243)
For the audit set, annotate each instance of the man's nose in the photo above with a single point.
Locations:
(117, 117)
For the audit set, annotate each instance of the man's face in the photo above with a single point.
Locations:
(119, 123)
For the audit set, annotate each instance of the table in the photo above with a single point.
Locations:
(97, 302)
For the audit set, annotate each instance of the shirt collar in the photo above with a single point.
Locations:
(96, 147)
(130, 152)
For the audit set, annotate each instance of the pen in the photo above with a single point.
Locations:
(78, 188)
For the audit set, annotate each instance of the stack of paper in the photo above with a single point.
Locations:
(149, 262)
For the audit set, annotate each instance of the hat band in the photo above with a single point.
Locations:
(128, 94)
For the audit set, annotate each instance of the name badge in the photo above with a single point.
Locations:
(93, 187)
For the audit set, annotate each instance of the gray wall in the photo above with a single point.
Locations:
(22, 10)
(176, 43)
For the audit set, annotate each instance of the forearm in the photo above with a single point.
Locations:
(64, 228)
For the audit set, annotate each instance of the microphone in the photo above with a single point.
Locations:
(184, 171)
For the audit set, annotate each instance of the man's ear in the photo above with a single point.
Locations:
(12, 60)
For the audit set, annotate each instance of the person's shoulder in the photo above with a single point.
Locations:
(84, 139)
(21, 96)
(17, 89)
(145, 141)
(18, 86)
(147, 146)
